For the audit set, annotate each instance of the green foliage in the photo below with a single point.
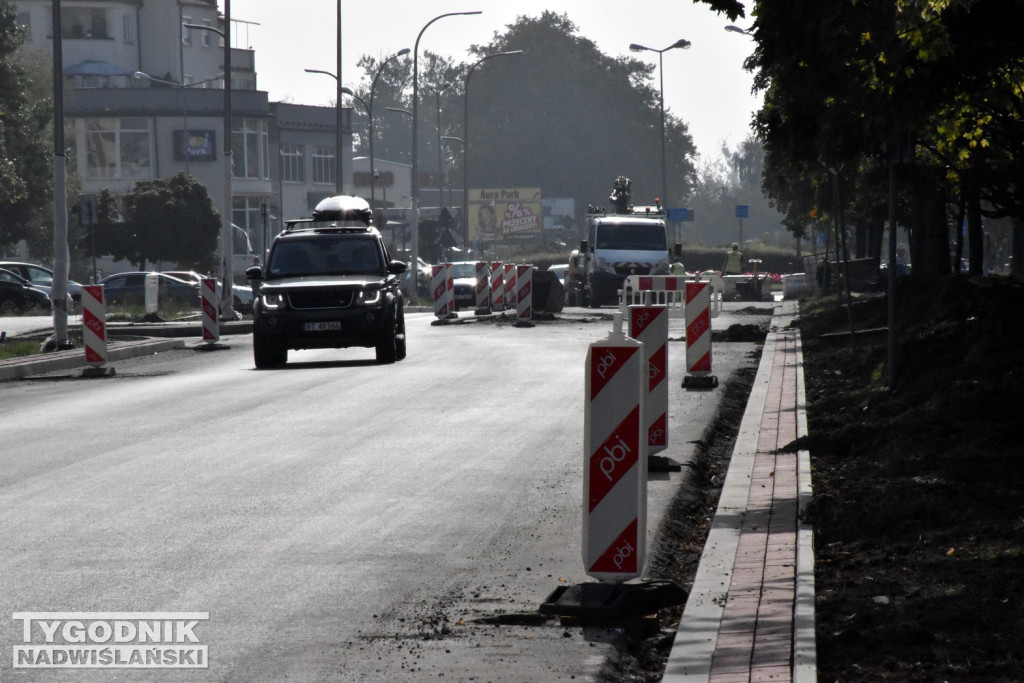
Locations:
(162, 220)
(25, 165)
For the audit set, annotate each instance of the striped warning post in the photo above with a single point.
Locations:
(449, 291)
(94, 325)
(510, 285)
(524, 295)
(439, 289)
(649, 325)
(497, 286)
(211, 321)
(615, 459)
(698, 335)
(483, 288)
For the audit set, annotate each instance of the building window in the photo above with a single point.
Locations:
(117, 148)
(128, 21)
(323, 164)
(186, 32)
(207, 38)
(249, 149)
(293, 163)
(83, 22)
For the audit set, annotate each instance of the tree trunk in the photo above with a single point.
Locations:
(929, 244)
(1017, 267)
(975, 233)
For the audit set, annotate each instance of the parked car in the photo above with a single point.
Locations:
(242, 294)
(330, 282)
(17, 295)
(40, 277)
(464, 283)
(129, 289)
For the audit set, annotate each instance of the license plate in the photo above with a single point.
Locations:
(328, 326)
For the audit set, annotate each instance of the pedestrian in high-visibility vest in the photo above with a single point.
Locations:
(677, 261)
(733, 261)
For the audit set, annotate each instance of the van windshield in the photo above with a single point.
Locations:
(634, 237)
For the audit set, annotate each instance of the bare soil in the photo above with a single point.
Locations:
(918, 505)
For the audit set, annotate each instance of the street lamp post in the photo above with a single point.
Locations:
(683, 44)
(463, 211)
(339, 184)
(227, 257)
(437, 91)
(415, 221)
(373, 88)
(465, 135)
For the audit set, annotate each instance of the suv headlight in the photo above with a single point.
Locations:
(273, 301)
(370, 297)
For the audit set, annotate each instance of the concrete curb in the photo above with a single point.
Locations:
(26, 366)
(697, 635)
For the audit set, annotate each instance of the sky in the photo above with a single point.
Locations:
(704, 85)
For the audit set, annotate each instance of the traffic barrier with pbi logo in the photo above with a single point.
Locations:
(698, 336)
(649, 326)
(497, 286)
(510, 286)
(615, 459)
(439, 289)
(211, 321)
(483, 289)
(94, 325)
(524, 296)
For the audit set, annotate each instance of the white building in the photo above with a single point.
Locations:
(146, 101)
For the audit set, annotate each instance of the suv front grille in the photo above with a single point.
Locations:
(325, 299)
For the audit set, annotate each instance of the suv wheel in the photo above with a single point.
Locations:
(387, 344)
(400, 336)
(268, 354)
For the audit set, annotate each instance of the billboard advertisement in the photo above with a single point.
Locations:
(507, 213)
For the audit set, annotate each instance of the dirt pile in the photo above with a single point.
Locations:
(919, 491)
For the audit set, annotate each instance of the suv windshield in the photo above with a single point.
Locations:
(325, 254)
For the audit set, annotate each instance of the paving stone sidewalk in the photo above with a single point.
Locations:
(750, 614)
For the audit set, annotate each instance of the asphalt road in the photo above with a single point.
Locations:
(337, 519)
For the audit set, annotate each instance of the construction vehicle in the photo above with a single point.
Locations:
(630, 241)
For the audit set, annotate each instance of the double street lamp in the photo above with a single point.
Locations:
(683, 44)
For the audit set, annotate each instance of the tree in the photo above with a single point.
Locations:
(26, 181)
(164, 220)
(565, 117)
(846, 81)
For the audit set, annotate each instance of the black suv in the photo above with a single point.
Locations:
(329, 283)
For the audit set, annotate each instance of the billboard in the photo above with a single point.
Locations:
(504, 213)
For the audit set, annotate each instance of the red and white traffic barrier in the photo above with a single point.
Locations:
(497, 286)
(510, 285)
(524, 295)
(210, 299)
(483, 288)
(94, 325)
(615, 459)
(698, 336)
(449, 283)
(649, 326)
(439, 290)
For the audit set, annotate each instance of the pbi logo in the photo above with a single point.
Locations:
(622, 553)
(606, 363)
(614, 453)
